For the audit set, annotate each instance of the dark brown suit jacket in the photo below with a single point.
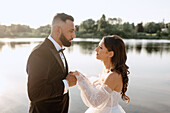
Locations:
(45, 74)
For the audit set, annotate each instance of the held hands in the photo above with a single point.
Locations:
(71, 79)
(77, 73)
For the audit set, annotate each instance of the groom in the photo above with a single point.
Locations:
(48, 78)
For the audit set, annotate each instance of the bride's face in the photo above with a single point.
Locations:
(101, 52)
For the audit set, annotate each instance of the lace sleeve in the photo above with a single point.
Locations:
(93, 95)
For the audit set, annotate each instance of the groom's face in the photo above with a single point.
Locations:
(67, 33)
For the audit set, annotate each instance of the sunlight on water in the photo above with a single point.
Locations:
(149, 86)
(41, 39)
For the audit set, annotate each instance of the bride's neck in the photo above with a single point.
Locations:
(108, 65)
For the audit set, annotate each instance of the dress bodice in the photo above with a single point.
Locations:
(98, 96)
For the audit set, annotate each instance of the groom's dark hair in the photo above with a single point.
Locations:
(63, 17)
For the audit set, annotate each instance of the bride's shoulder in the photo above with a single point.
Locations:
(112, 79)
(113, 75)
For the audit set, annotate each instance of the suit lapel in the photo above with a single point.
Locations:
(66, 64)
(55, 53)
(58, 58)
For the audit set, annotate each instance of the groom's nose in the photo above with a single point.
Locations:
(73, 35)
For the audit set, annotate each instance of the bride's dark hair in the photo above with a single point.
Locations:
(115, 43)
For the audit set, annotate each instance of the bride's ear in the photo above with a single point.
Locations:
(111, 53)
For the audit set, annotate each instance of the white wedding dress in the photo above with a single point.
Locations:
(98, 97)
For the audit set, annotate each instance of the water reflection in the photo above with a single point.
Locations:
(138, 48)
(129, 47)
(14, 44)
(1, 45)
(157, 48)
(88, 47)
(149, 78)
(150, 47)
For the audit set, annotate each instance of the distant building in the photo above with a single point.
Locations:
(164, 30)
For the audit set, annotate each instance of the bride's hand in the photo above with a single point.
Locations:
(80, 76)
(76, 73)
(95, 82)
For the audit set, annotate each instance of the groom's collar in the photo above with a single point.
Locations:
(57, 46)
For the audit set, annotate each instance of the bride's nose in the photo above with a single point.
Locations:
(96, 49)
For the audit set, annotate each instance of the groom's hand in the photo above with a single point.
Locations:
(71, 79)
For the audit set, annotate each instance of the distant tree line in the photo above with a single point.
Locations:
(96, 29)
(102, 27)
(24, 31)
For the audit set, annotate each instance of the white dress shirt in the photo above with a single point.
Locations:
(58, 47)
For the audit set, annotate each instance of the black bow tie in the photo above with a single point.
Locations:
(61, 50)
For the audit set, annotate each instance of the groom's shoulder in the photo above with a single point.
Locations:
(37, 48)
(40, 50)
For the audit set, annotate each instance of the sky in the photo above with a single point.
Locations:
(37, 13)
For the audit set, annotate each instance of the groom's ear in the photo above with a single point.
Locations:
(58, 30)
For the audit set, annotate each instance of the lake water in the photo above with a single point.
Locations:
(149, 62)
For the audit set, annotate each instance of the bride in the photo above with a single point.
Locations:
(102, 96)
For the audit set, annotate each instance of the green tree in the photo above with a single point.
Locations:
(43, 31)
(152, 27)
(128, 30)
(2, 30)
(168, 27)
(87, 26)
(19, 28)
(102, 24)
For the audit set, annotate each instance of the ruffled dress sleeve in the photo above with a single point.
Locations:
(96, 96)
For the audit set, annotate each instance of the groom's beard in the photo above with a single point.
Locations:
(64, 41)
